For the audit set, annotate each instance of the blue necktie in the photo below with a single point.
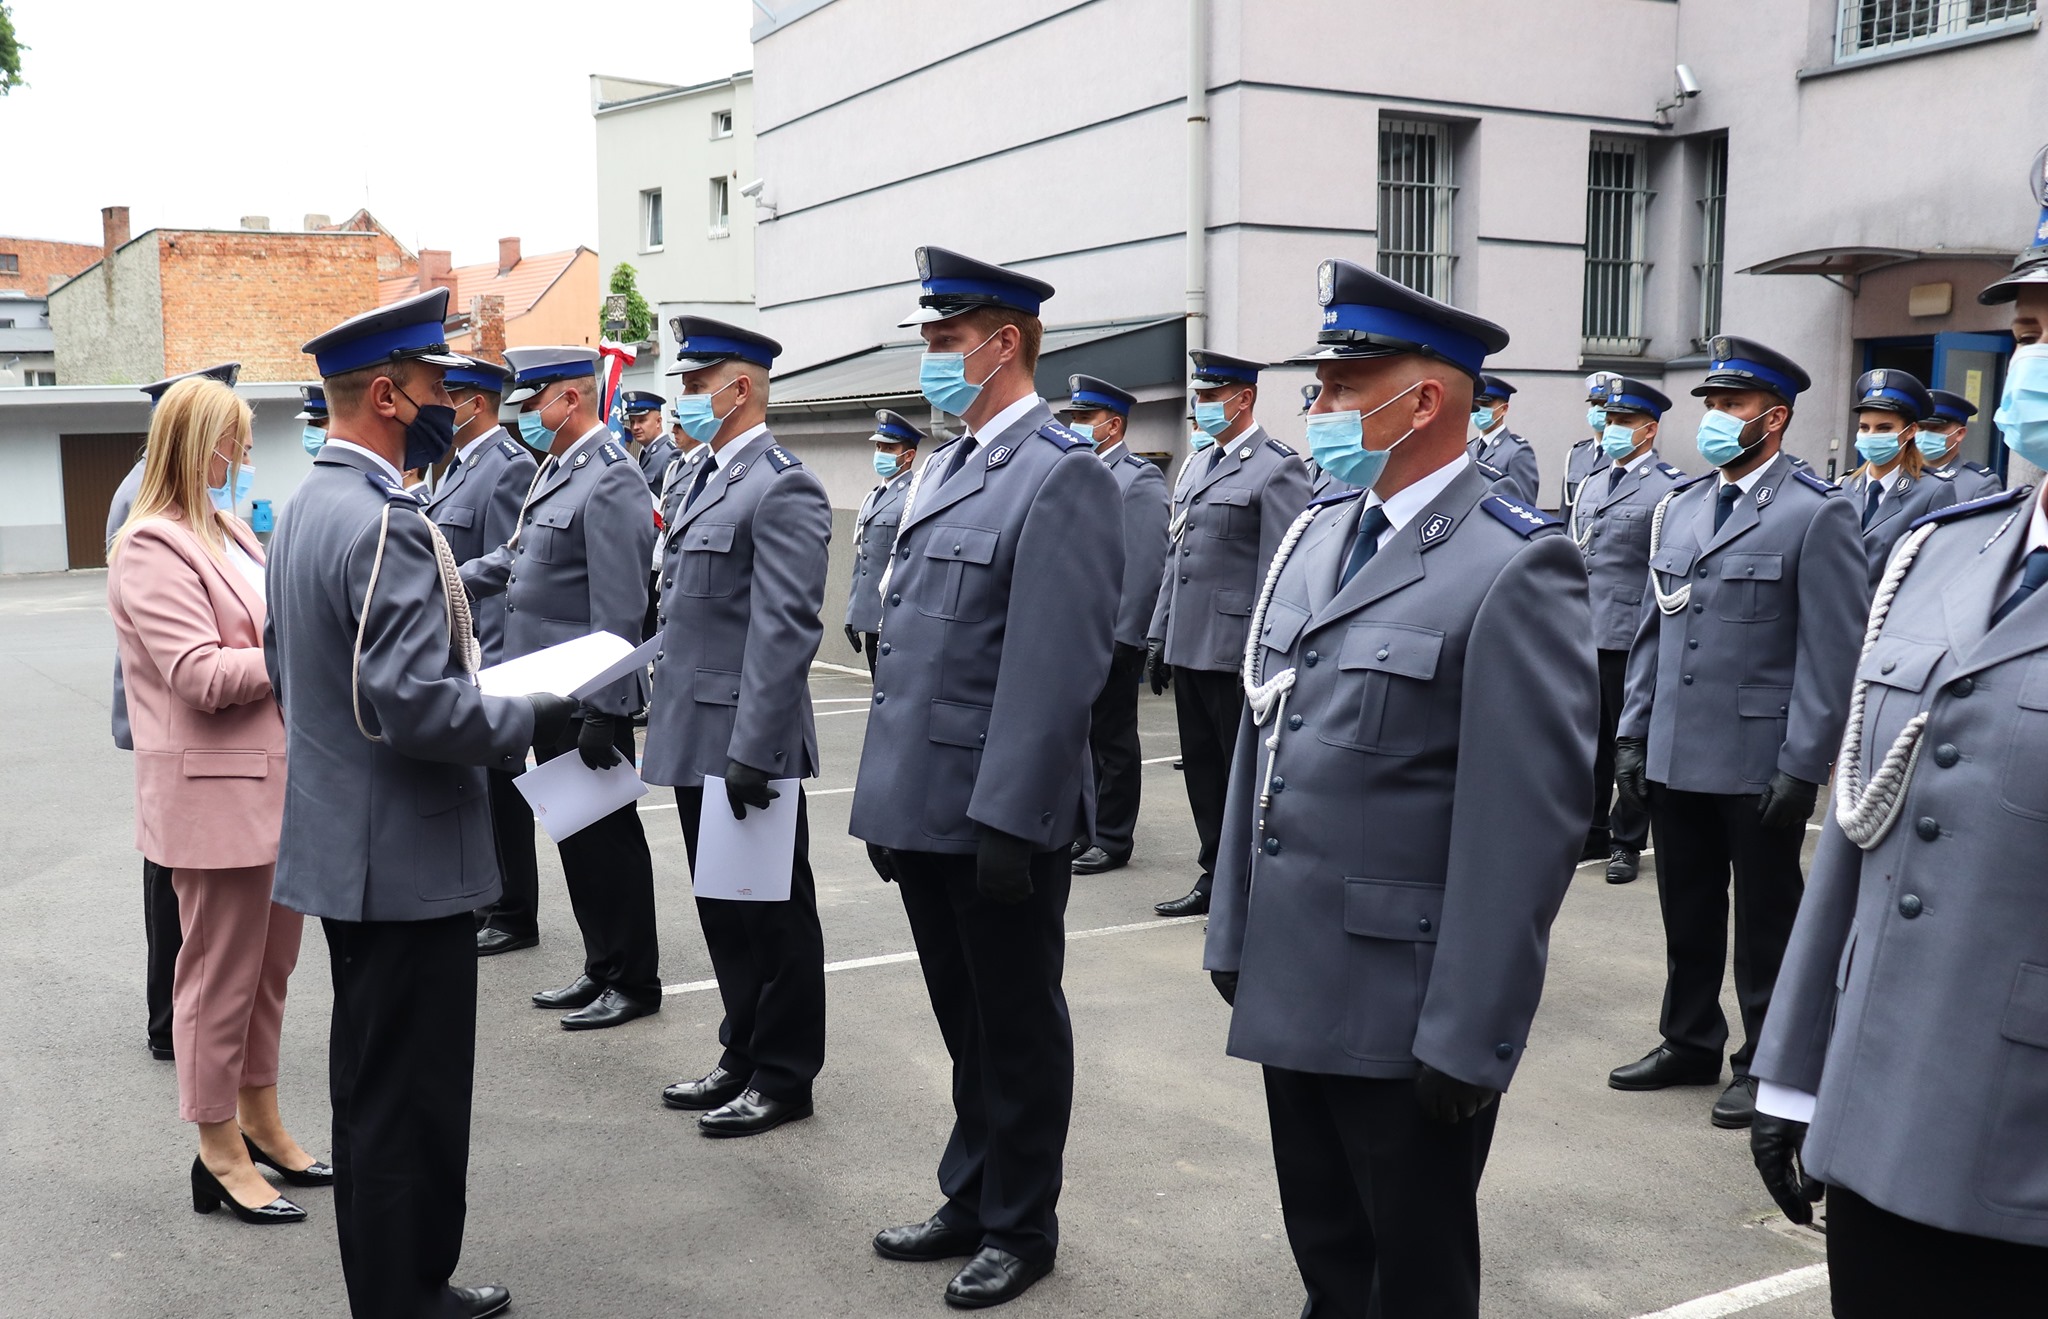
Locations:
(704, 466)
(1724, 504)
(1215, 456)
(2033, 575)
(960, 452)
(1614, 478)
(1371, 524)
(1873, 493)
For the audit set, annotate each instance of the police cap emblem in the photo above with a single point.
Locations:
(924, 264)
(1723, 350)
(1326, 283)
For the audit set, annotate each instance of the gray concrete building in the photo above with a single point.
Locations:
(1835, 177)
(28, 346)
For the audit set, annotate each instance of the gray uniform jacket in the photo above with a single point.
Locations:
(1612, 529)
(579, 563)
(1973, 481)
(1905, 501)
(1510, 453)
(1230, 509)
(117, 513)
(1913, 999)
(1393, 903)
(654, 460)
(1585, 460)
(1320, 482)
(742, 581)
(874, 532)
(477, 509)
(996, 638)
(1768, 635)
(1142, 487)
(397, 829)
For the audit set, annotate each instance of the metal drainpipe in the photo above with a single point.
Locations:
(1198, 174)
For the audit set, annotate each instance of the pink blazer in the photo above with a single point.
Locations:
(209, 742)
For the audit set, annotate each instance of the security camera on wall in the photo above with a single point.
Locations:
(752, 189)
(1688, 86)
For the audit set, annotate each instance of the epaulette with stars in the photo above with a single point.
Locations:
(1669, 470)
(1058, 435)
(2004, 499)
(611, 453)
(1280, 448)
(1337, 496)
(1805, 476)
(1518, 516)
(1488, 470)
(781, 459)
(391, 489)
(509, 447)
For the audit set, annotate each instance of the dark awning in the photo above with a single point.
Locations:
(1848, 262)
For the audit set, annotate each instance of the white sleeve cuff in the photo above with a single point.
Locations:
(1783, 1101)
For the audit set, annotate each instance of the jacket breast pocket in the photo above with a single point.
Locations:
(2025, 789)
(1673, 561)
(959, 578)
(221, 764)
(1390, 933)
(1283, 626)
(881, 532)
(1382, 699)
(958, 732)
(547, 539)
(1896, 671)
(1762, 713)
(455, 515)
(707, 561)
(1751, 589)
(1230, 513)
(2020, 1184)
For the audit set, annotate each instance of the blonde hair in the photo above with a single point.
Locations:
(185, 431)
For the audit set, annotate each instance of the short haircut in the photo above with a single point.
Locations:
(1030, 330)
(345, 392)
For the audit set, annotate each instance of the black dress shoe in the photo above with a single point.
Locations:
(715, 1090)
(1095, 861)
(315, 1173)
(477, 1302)
(992, 1277)
(1663, 1066)
(208, 1195)
(610, 1008)
(1623, 865)
(578, 993)
(928, 1240)
(1080, 846)
(163, 1053)
(751, 1114)
(491, 940)
(1736, 1108)
(1196, 903)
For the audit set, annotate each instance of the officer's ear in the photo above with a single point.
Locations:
(1650, 430)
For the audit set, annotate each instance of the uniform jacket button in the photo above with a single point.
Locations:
(1961, 687)
(1693, 644)
(1294, 721)
(895, 598)
(1045, 818)
(658, 655)
(882, 649)
(1423, 925)
(1889, 665)
(1946, 755)
(1279, 784)
(1503, 1051)
(879, 698)
(1381, 653)
(1310, 659)
(1183, 579)
(1927, 827)
(1686, 679)
(1699, 609)
(1909, 906)
(1272, 847)
(735, 693)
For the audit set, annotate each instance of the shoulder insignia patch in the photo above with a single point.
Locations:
(1517, 515)
(1979, 468)
(1061, 438)
(737, 471)
(1280, 448)
(1938, 474)
(1669, 470)
(1985, 505)
(1805, 476)
(394, 491)
(611, 453)
(1000, 455)
(782, 459)
(1133, 460)
(1489, 470)
(1764, 495)
(1335, 497)
(581, 459)
(510, 448)
(1435, 527)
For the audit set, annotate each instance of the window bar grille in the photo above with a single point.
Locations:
(1617, 204)
(1415, 202)
(1713, 237)
(1869, 27)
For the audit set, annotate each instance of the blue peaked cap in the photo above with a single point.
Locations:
(1746, 364)
(702, 342)
(316, 403)
(1620, 394)
(409, 328)
(1367, 315)
(477, 373)
(1213, 368)
(641, 400)
(1892, 390)
(895, 426)
(954, 284)
(1095, 392)
(1951, 407)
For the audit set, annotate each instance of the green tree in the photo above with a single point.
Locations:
(639, 316)
(10, 53)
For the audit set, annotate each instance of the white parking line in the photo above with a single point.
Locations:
(1748, 1296)
(841, 668)
(895, 959)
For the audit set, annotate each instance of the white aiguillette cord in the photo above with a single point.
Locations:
(1668, 602)
(462, 642)
(1268, 697)
(1867, 812)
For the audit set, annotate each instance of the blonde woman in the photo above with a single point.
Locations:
(1894, 486)
(185, 586)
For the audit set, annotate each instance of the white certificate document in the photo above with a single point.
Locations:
(568, 795)
(746, 860)
(572, 668)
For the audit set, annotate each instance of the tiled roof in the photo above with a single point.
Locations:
(521, 287)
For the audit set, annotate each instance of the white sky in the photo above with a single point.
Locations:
(455, 123)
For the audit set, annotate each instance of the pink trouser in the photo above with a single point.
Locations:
(227, 998)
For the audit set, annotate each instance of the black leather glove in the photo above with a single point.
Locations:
(1002, 867)
(1631, 772)
(878, 857)
(1157, 674)
(551, 715)
(1787, 802)
(1444, 1098)
(746, 786)
(594, 741)
(1775, 1143)
(853, 638)
(1226, 985)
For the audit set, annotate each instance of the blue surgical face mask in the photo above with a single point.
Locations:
(1336, 440)
(1617, 441)
(1085, 430)
(226, 498)
(1199, 440)
(2022, 415)
(695, 415)
(1878, 447)
(942, 379)
(1214, 418)
(1482, 418)
(887, 464)
(1596, 417)
(535, 431)
(1720, 437)
(312, 437)
(1933, 444)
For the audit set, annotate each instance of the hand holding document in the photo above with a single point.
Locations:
(746, 860)
(572, 669)
(567, 795)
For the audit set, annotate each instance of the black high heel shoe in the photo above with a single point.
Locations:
(208, 1195)
(313, 1174)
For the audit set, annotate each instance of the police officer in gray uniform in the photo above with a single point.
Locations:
(162, 930)
(387, 826)
(1910, 1027)
(576, 564)
(1609, 518)
(1406, 805)
(874, 528)
(1496, 447)
(998, 619)
(476, 506)
(642, 411)
(743, 579)
(1230, 509)
(1099, 412)
(1941, 437)
(1892, 487)
(1587, 458)
(1758, 584)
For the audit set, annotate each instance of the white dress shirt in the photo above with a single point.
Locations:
(1412, 499)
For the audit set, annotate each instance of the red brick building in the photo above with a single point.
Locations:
(30, 265)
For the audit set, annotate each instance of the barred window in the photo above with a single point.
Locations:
(1617, 207)
(1416, 193)
(1713, 204)
(1869, 27)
